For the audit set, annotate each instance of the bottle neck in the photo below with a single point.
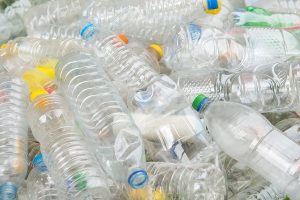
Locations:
(8, 191)
(39, 164)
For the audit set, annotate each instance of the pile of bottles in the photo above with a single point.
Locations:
(149, 100)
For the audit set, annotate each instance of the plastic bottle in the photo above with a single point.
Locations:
(53, 12)
(31, 50)
(187, 181)
(261, 146)
(72, 167)
(13, 128)
(159, 110)
(20, 7)
(147, 20)
(103, 117)
(259, 17)
(290, 127)
(23, 192)
(40, 184)
(287, 6)
(10, 27)
(269, 88)
(195, 47)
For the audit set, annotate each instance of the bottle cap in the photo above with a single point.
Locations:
(38, 162)
(158, 49)
(123, 38)
(212, 6)
(138, 179)
(88, 31)
(3, 46)
(8, 190)
(199, 102)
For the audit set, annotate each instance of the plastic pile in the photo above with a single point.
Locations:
(149, 100)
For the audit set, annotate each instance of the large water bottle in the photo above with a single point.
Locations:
(31, 50)
(103, 117)
(13, 134)
(187, 181)
(158, 109)
(261, 146)
(66, 154)
(147, 20)
(53, 12)
(269, 88)
(40, 185)
(195, 47)
(288, 6)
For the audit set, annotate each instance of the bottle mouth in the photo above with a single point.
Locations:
(88, 31)
(138, 179)
(8, 190)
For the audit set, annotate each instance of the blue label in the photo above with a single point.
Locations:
(195, 32)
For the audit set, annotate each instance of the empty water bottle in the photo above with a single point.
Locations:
(13, 136)
(103, 117)
(261, 146)
(10, 27)
(196, 46)
(288, 6)
(40, 184)
(147, 20)
(269, 88)
(187, 181)
(71, 165)
(158, 109)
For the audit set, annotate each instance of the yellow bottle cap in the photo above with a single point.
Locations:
(212, 6)
(47, 67)
(158, 49)
(34, 94)
(3, 46)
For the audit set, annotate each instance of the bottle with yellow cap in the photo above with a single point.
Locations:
(151, 20)
(187, 181)
(13, 135)
(197, 46)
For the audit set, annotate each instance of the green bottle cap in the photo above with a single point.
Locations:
(199, 102)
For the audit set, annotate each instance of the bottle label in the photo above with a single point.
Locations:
(195, 32)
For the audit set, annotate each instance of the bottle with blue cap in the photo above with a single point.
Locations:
(40, 185)
(13, 135)
(148, 20)
(103, 118)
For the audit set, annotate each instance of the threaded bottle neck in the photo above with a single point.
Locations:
(8, 191)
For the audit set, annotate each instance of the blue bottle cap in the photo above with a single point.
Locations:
(38, 162)
(8, 190)
(138, 179)
(212, 4)
(88, 31)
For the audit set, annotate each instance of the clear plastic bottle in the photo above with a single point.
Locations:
(269, 88)
(199, 46)
(202, 181)
(10, 27)
(40, 184)
(159, 110)
(103, 117)
(32, 50)
(20, 7)
(290, 127)
(152, 20)
(259, 17)
(262, 147)
(52, 12)
(287, 6)
(71, 165)
(13, 134)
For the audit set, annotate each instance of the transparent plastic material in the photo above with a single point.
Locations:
(40, 184)
(196, 47)
(158, 109)
(269, 88)
(261, 146)
(152, 20)
(19, 7)
(52, 12)
(13, 135)
(31, 50)
(104, 118)
(10, 27)
(288, 6)
(290, 127)
(73, 168)
(202, 181)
